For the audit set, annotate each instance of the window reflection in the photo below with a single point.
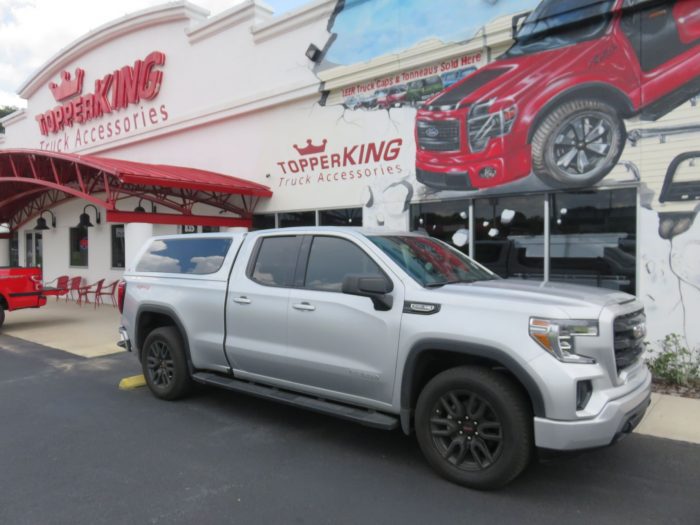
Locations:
(593, 238)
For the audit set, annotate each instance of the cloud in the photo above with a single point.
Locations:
(32, 31)
(205, 265)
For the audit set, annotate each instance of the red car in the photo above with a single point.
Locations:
(554, 103)
(20, 288)
(392, 97)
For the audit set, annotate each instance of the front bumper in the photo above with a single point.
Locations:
(617, 418)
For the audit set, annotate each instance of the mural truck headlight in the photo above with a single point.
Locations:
(484, 124)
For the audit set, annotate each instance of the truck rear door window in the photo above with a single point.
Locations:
(275, 261)
(198, 256)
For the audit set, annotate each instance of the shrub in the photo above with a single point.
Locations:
(675, 363)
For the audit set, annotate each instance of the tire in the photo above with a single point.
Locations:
(164, 364)
(2, 316)
(456, 450)
(578, 144)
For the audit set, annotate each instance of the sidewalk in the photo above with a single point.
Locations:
(672, 417)
(85, 331)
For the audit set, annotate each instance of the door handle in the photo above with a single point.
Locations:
(242, 300)
(304, 307)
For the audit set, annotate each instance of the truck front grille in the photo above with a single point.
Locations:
(630, 330)
(438, 135)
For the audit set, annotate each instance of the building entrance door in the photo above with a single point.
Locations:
(34, 249)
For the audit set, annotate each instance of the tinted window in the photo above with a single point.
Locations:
(276, 261)
(593, 238)
(118, 250)
(191, 256)
(263, 221)
(302, 218)
(343, 217)
(78, 246)
(331, 259)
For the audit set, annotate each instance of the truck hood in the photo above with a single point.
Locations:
(574, 300)
(512, 78)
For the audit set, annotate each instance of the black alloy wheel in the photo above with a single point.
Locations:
(161, 367)
(466, 430)
(474, 426)
(164, 364)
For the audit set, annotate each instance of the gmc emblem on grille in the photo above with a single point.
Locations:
(639, 330)
(432, 132)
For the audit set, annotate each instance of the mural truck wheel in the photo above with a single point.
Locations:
(577, 144)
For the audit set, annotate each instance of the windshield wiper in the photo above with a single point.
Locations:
(443, 283)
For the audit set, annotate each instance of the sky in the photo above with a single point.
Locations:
(32, 31)
(370, 28)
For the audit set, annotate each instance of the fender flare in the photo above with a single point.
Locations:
(619, 100)
(493, 354)
(163, 310)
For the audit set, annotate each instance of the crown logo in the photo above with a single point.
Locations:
(68, 87)
(310, 149)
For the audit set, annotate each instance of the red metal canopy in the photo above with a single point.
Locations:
(32, 181)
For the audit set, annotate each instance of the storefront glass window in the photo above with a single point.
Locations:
(593, 238)
(300, 218)
(118, 252)
(510, 235)
(14, 249)
(78, 247)
(343, 217)
(447, 221)
(263, 221)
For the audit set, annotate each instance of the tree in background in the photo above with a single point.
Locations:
(4, 111)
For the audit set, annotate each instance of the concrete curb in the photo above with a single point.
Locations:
(132, 382)
(672, 417)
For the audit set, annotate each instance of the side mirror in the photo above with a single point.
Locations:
(517, 23)
(376, 288)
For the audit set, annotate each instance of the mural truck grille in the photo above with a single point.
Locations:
(630, 331)
(442, 135)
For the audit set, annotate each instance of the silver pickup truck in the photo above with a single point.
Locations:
(391, 329)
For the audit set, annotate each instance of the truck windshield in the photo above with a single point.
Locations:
(559, 23)
(431, 262)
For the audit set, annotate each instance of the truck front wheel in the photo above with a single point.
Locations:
(2, 315)
(474, 427)
(164, 364)
(577, 144)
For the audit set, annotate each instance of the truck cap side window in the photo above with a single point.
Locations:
(275, 260)
(198, 256)
(331, 259)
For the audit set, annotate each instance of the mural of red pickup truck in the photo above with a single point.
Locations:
(554, 104)
(20, 288)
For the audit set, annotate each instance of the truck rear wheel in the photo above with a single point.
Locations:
(577, 144)
(2, 315)
(164, 364)
(474, 427)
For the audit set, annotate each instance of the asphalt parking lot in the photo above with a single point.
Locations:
(76, 449)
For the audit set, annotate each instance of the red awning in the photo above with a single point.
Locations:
(32, 181)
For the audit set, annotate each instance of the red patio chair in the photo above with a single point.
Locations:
(108, 291)
(74, 286)
(83, 291)
(61, 286)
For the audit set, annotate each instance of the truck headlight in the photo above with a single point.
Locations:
(558, 337)
(483, 124)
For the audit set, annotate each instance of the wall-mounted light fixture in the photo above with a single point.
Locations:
(85, 218)
(313, 53)
(41, 222)
(141, 209)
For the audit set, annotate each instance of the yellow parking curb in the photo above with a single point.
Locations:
(130, 383)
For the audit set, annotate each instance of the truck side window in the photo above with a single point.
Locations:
(331, 259)
(276, 260)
